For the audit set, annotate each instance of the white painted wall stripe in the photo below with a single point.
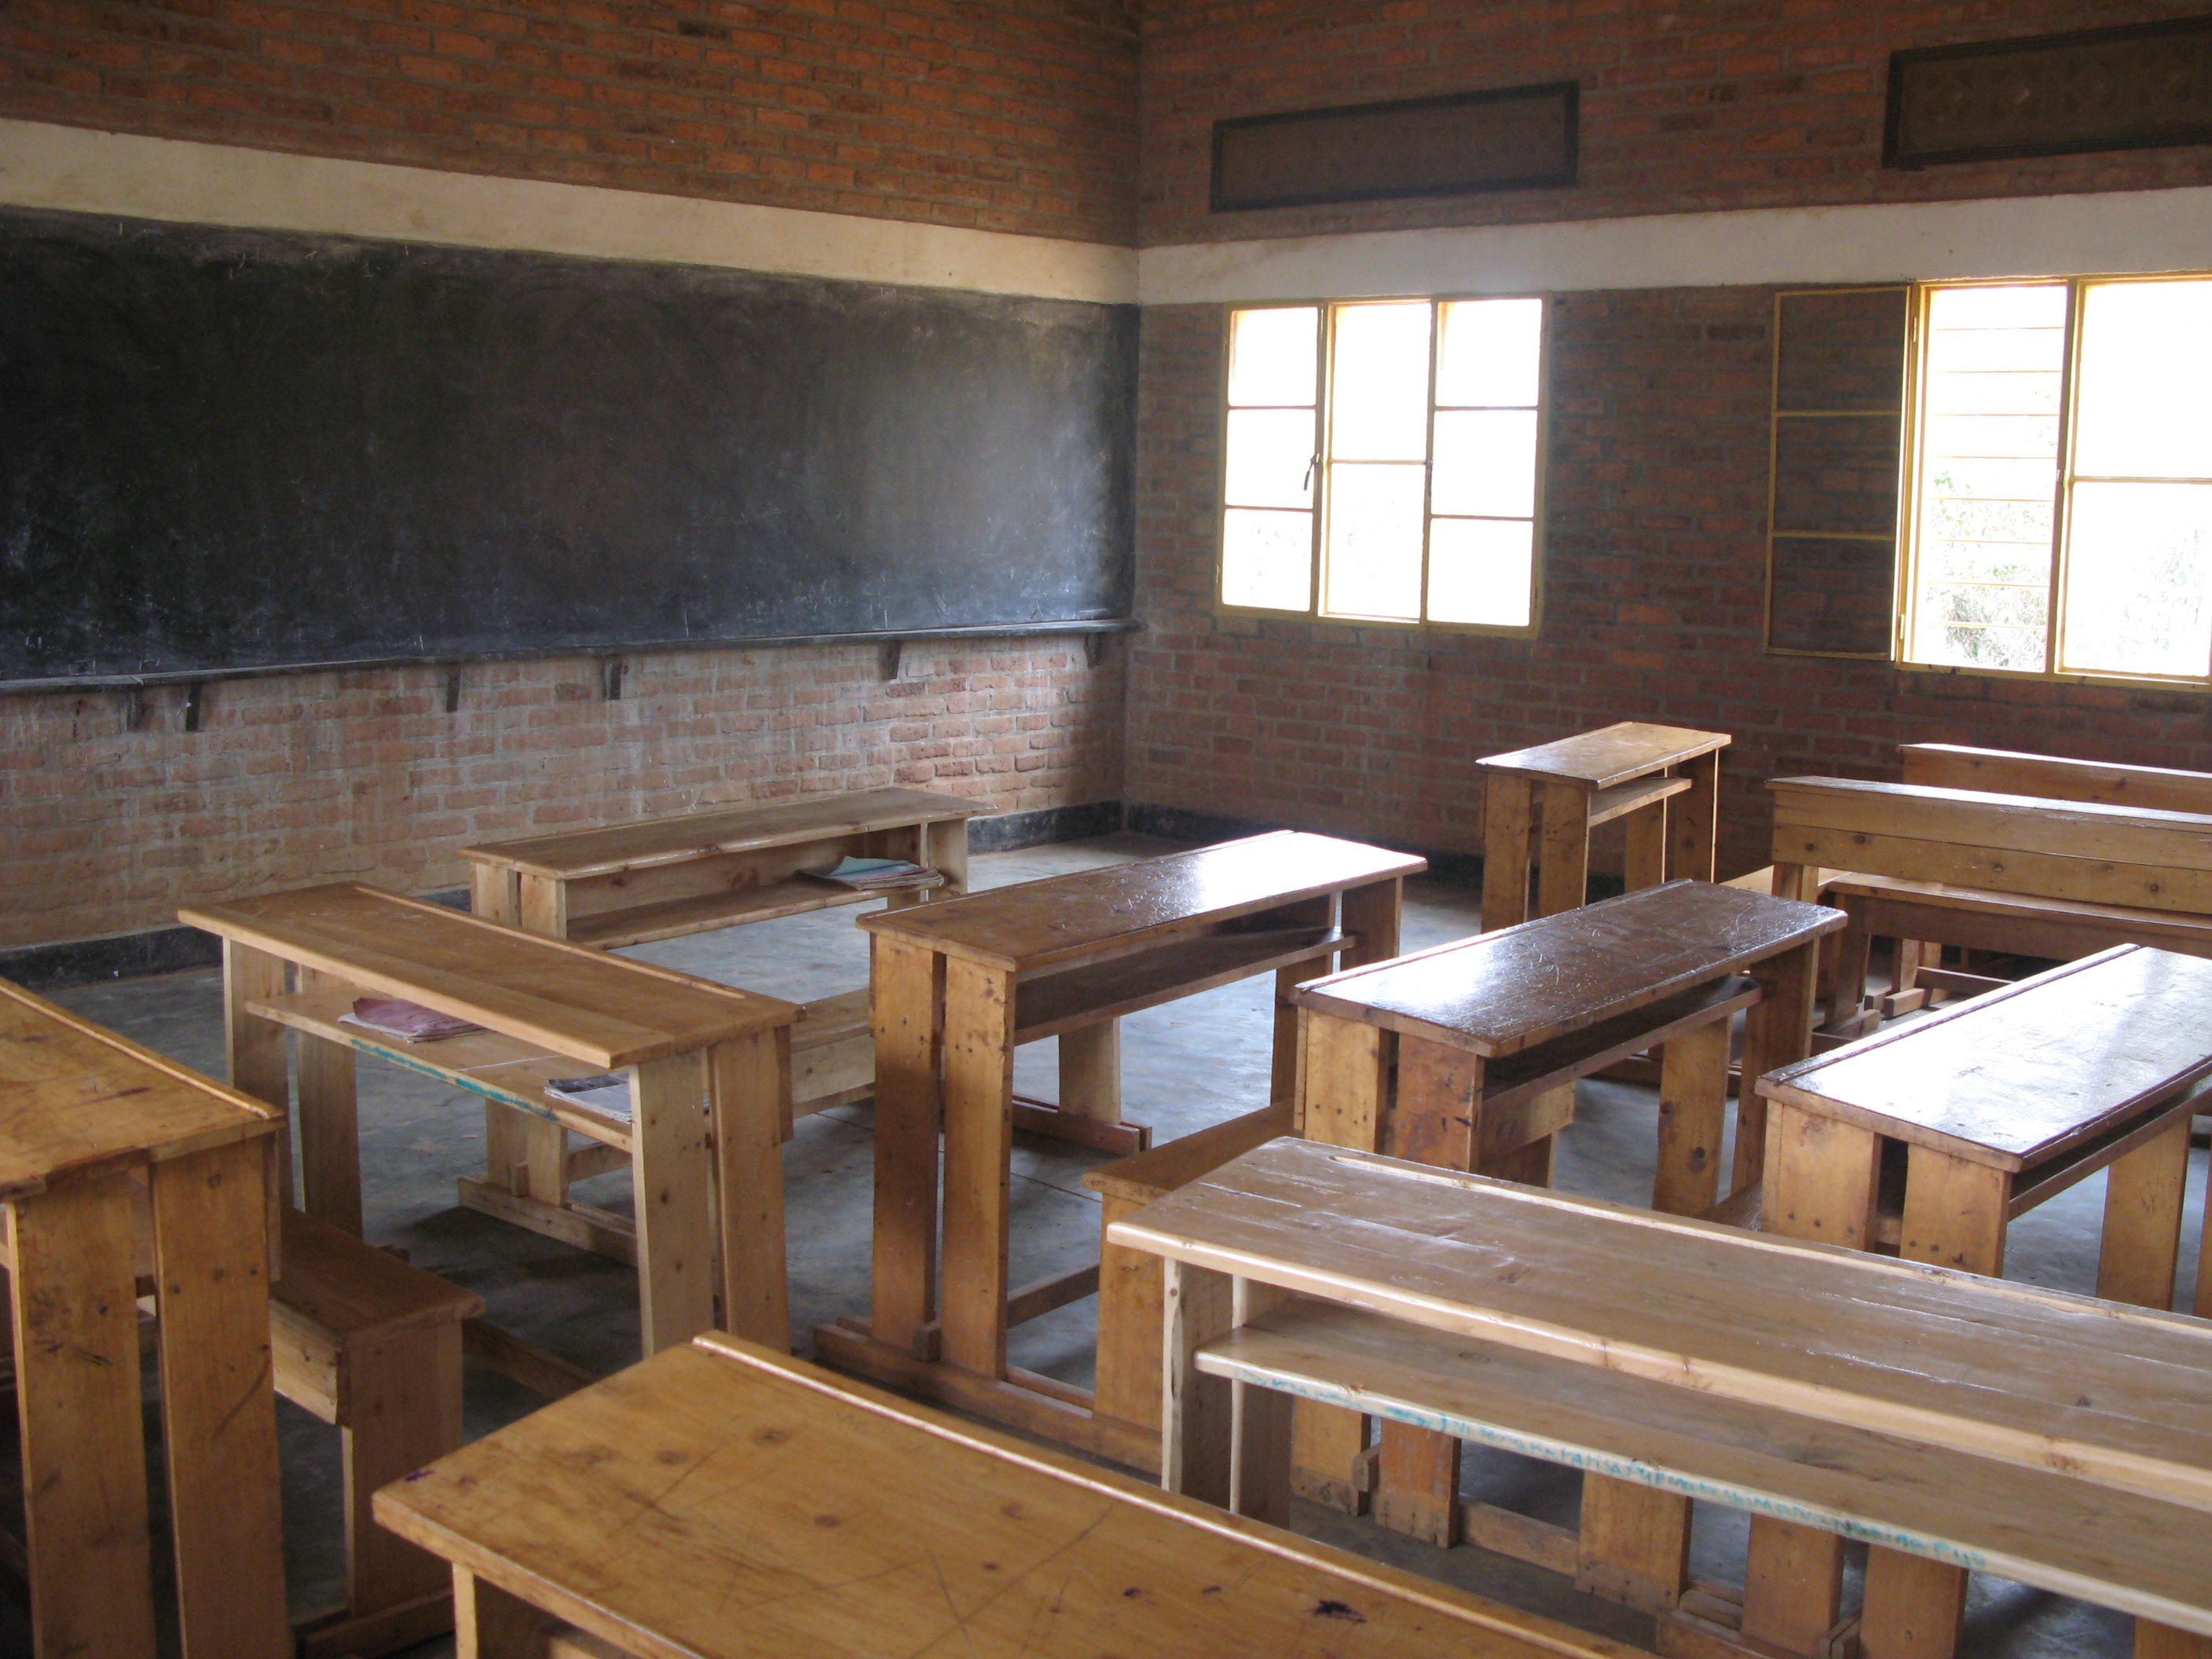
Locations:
(83, 171)
(2120, 231)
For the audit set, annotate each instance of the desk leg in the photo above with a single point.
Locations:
(254, 1047)
(218, 1404)
(1693, 1111)
(749, 1081)
(2203, 1309)
(948, 851)
(1695, 817)
(495, 893)
(1954, 1217)
(1777, 1031)
(1222, 1442)
(1821, 1187)
(77, 1391)
(1644, 859)
(2142, 1245)
(979, 1118)
(1563, 876)
(1854, 947)
(489, 1623)
(330, 1123)
(673, 1190)
(907, 985)
(1506, 850)
(2164, 1642)
(544, 906)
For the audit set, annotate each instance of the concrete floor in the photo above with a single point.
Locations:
(1186, 1065)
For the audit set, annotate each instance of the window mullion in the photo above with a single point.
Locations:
(2062, 515)
(1429, 458)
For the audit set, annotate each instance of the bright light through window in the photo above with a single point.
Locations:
(1381, 460)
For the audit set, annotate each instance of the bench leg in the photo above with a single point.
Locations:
(1912, 1609)
(1222, 1442)
(1417, 1483)
(979, 1093)
(1635, 1544)
(673, 1164)
(905, 982)
(489, 1623)
(525, 1155)
(749, 1078)
(1131, 1303)
(2164, 1642)
(2141, 1244)
(404, 1396)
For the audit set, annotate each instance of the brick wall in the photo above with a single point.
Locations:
(364, 775)
(1012, 115)
(1654, 573)
(1686, 106)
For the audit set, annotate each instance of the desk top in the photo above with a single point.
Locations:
(720, 1500)
(616, 847)
(2107, 1392)
(606, 1011)
(1610, 755)
(2016, 1077)
(1153, 901)
(77, 1101)
(1498, 994)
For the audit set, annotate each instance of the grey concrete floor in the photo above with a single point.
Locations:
(1186, 1065)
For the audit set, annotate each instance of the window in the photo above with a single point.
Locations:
(2060, 476)
(1381, 461)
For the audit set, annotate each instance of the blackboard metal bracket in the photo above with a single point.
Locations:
(61, 684)
(892, 654)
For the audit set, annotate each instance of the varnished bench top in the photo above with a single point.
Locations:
(77, 1100)
(1069, 918)
(616, 847)
(2110, 1393)
(1611, 755)
(720, 1501)
(1498, 994)
(2019, 1076)
(605, 1010)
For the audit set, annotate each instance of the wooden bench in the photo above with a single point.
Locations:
(2057, 1439)
(1663, 781)
(373, 1346)
(2027, 874)
(92, 1128)
(724, 1502)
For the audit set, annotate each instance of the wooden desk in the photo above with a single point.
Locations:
(84, 1116)
(1467, 1055)
(709, 1067)
(2064, 1441)
(1993, 1107)
(625, 884)
(1629, 771)
(969, 981)
(723, 1502)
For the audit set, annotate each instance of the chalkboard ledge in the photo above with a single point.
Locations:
(890, 643)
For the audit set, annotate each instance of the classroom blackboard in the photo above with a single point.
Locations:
(226, 449)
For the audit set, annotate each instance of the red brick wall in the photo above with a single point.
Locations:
(1686, 106)
(364, 775)
(1012, 115)
(1654, 573)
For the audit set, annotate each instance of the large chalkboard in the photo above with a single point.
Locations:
(224, 449)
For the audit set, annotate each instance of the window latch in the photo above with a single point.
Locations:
(1305, 485)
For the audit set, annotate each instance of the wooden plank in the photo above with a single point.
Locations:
(76, 1399)
(2009, 823)
(1084, 997)
(329, 1121)
(907, 983)
(1635, 1547)
(1131, 1311)
(211, 1215)
(1507, 858)
(2008, 772)
(749, 1080)
(492, 1623)
(1611, 755)
(1912, 1606)
(1435, 1116)
(544, 908)
(494, 892)
(1902, 1347)
(2089, 879)
(1693, 1114)
(1695, 820)
(1090, 1071)
(1644, 857)
(1595, 1048)
(673, 1183)
(1085, 915)
(675, 918)
(979, 1085)
(1499, 992)
(1623, 799)
(2144, 1196)
(1955, 1212)
(1563, 860)
(1777, 1032)
(1342, 1076)
(405, 1389)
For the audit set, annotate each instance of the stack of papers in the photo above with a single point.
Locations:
(869, 874)
(606, 1092)
(410, 1022)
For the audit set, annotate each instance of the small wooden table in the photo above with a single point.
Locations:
(624, 883)
(968, 982)
(709, 1070)
(1629, 771)
(723, 1502)
(1467, 1055)
(85, 1116)
(2061, 1440)
(1991, 1108)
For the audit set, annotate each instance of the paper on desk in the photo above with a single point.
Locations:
(410, 1022)
(605, 1092)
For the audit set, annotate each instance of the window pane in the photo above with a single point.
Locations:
(1488, 353)
(1270, 454)
(1271, 356)
(1379, 390)
(1987, 472)
(1486, 464)
(2139, 557)
(1480, 571)
(1266, 559)
(1374, 566)
(2144, 405)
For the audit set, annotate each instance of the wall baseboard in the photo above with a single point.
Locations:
(1180, 824)
(1009, 831)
